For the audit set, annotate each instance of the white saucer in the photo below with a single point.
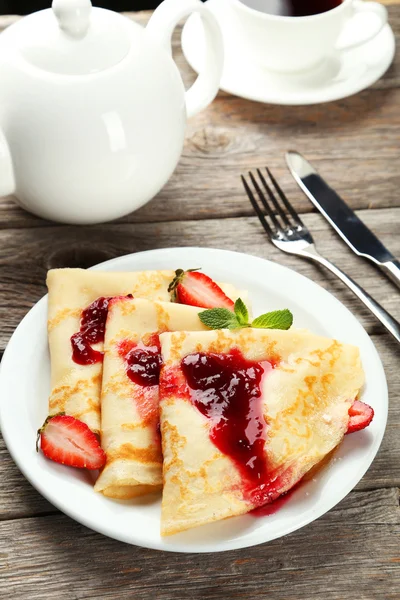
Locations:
(342, 75)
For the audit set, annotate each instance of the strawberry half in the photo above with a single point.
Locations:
(361, 416)
(197, 289)
(68, 441)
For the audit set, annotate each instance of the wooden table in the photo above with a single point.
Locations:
(352, 553)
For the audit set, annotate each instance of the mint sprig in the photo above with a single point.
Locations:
(222, 318)
(241, 313)
(277, 319)
(219, 318)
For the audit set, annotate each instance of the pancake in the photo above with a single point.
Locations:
(75, 388)
(129, 400)
(245, 415)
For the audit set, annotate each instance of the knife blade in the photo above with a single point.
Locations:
(342, 218)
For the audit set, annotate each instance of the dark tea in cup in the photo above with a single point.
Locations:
(292, 8)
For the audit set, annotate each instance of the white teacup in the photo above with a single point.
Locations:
(292, 44)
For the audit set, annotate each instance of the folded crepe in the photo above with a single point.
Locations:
(75, 388)
(129, 399)
(245, 414)
(77, 308)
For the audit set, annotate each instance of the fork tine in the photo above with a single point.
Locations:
(284, 199)
(264, 202)
(274, 201)
(257, 209)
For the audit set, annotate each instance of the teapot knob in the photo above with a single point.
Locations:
(73, 16)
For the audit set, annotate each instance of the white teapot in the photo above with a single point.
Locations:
(93, 109)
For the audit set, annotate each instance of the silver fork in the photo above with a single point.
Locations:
(287, 232)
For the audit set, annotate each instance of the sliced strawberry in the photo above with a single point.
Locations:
(361, 416)
(197, 289)
(68, 441)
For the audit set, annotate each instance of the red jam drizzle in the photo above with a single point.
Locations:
(82, 351)
(273, 507)
(143, 364)
(143, 361)
(226, 388)
(92, 329)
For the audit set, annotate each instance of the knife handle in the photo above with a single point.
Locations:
(392, 269)
(380, 313)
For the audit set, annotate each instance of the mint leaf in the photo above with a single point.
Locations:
(219, 318)
(278, 319)
(241, 312)
(222, 318)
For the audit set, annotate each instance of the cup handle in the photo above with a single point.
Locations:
(161, 26)
(360, 6)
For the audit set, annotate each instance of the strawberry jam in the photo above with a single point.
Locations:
(82, 351)
(92, 329)
(273, 507)
(226, 388)
(143, 364)
(143, 361)
(93, 321)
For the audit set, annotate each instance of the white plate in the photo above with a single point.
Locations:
(24, 389)
(344, 74)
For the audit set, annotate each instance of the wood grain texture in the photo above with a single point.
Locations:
(27, 254)
(353, 142)
(385, 470)
(239, 136)
(352, 553)
(56, 557)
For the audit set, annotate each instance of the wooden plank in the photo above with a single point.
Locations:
(355, 547)
(354, 142)
(144, 15)
(221, 136)
(17, 497)
(350, 553)
(28, 253)
(385, 470)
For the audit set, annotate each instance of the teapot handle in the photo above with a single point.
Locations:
(161, 26)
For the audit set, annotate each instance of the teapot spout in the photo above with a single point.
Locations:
(7, 179)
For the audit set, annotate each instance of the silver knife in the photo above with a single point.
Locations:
(342, 218)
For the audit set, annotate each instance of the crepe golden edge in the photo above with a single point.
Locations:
(205, 486)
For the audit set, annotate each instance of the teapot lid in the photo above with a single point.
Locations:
(71, 38)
